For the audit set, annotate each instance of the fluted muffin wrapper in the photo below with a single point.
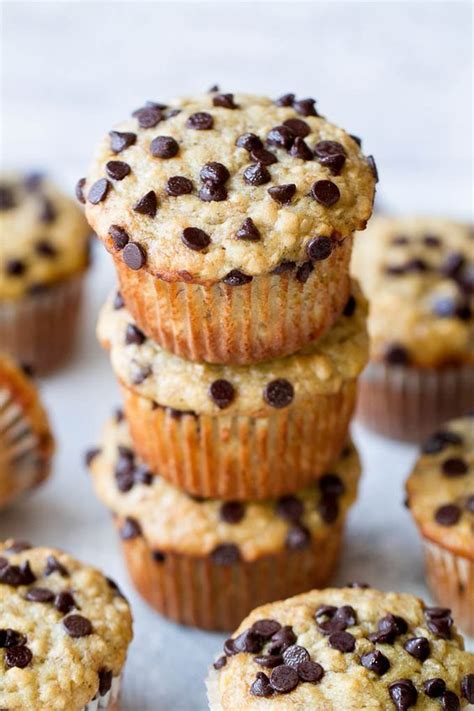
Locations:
(273, 315)
(409, 403)
(196, 591)
(451, 580)
(239, 457)
(41, 329)
(108, 702)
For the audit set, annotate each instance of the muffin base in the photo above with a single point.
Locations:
(450, 578)
(273, 315)
(410, 403)
(40, 329)
(239, 457)
(198, 592)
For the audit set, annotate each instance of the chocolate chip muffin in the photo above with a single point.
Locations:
(43, 256)
(26, 442)
(441, 499)
(418, 274)
(348, 649)
(64, 632)
(230, 222)
(207, 562)
(235, 432)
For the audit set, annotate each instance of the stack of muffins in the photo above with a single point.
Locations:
(237, 339)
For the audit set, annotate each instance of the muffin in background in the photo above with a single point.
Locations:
(26, 441)
(418, 274)
(44, 253)
(440, 493)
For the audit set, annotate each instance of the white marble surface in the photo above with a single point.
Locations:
(398, 74)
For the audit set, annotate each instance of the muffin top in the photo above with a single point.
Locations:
(45, 236)
(441, 487)
(65, 629)
(418, 274)
(221, 182)
(255, 390)
(351, 649)
(171, 520)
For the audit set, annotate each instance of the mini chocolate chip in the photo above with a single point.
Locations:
(79, 190)
(298, 127)
(305, 107)
(441, 626)
(39, 595)
(285, 100)
(141, 374)
(393, 624)
(310, 671)
(342, 641)
(325, 192)
(43, 248)
(16, 575)
(248, 231)
(283, 267)
(452, 264)
(147, 205)
(47, 210)
(54, 566)
(232, 511)
(195, 239)
(248, 641)
(279, 393)
(134, 255)
(467, 688)
(261, 155)
(119, 303)
(11, 638)
(15, 267)
(281, 137)
(347, 615)
(373, 167)
(261, 686)
(433, 613)
(331, 484)
(105, 681)
(434, 687)
(397, 354)
(266, 628)
(282, 194)
(319, 248)
(298, 537)
(249, 141)
(134, 336)
(200, 121)
(120, 236)
(77, 626)
(225, 554)
(454, 466)
(376, 662)
(219, 663)
(214, 173)
(98, 191)
(295, 655)
(226, 101)
(33, 181)
(7, 198)
(212, 193)
(117, 169)
(290, 507)
(330, 154)
(303, 272)
(121, 140)
(284, 679)
(418, 647)
(448, 515)
(449, 701)
(328, 508)
(18, 657)
(236, 278)
(64, 602)
(148, 116)
(158, 556)
(256, 174)
(270, 661)
(356, 139)
(300, 149)
(164, 147)
(445, 307)
(179, 185)
(130, 529)
(470, 503)
(403, 694)
(439, 440)
(143, 476)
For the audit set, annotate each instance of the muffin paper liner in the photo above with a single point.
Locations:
(40, 329)
(108, 702)
(273, 315)
(451, 581)
(196, 591)
(410, 403)
(240, 457)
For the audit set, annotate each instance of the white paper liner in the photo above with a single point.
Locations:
(109, 702)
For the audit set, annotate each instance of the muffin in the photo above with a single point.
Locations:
(43, 256)
(441, 499)
(65, 632)
(347, 649)
(418, 274)
(26, 442)
(230, 222)
(238, 432)
(206, 562)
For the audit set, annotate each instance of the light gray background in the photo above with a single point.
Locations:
(397, 74)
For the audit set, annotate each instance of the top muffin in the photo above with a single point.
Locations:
(44, 235)
(220, 182)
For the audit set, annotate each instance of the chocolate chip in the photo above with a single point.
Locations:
(448, 515)
(278, 393)
(134, 255)
(298, 127)
(393, 624)
(249, 141)
(439, 440)
(305, 107)
(331, 484)
(373, 168)
(54, 566)
(282, 194)
(11, 638)
(470, 503)
(418, 647)
(284, 679)
(282, 639)
(311, 672)
(256, 174)
(16, 575)
(179, 185)
(164, 147)
(214, 173)
(403, 694)
(120, 236)
(98, 191)
(356, 139)
(18, 546)
(134, 336)
(325, 192)
(281, 137)
(300, 149)
(445, 307)
(261, 155)
(397, 354)
(303, 272)
(319, 248)
(232, 511)
(434, 687)
(283, 267)
(330, 154)
(454, 466)
(212, 193)
(158, 556)
(47, 212)
(295, 655)
(118, 303)
(347, 615)
(342, 641)
(43, 248)
(200, 121)
(261, 686)
(18, 657)
(248, 231)
(226, 101)
(7, 197)
(79, 190)
(148, 116)
(375, 661)
(124, 474)
(433, 613)
(119, 141)
(298, 537)
(130, 529)
(467, 688)
(77, 626)
(270, 661)
(236, 278)
(117, 169)
(290, 508)
(219, 663)
(147, 205)
(440, 625)
(449, 701)
(195, 239)
(33, 181)
(141, 374)
(266, 628)
(328, 508)
(225, 554)
(105, 681)
(15, 267)
(39, 595)
(64, 602)
(285, 100)
(452, 264)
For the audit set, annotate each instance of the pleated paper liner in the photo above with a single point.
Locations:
(107, 702)
(40, 329)
(271, 316)
(240, 457)
(411, 403)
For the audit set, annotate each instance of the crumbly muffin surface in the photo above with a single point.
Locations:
(326, 638)
(44, 235)
(441, 487)
(164, 186)
(64, 630)
(418, 274)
